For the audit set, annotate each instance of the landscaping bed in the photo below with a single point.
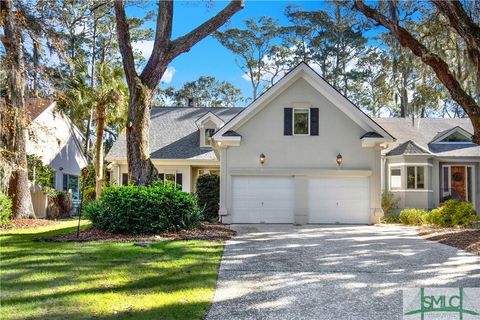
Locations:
(28, 223)
(467, 239)
(207, 231)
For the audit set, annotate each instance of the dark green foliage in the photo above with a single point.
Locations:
(143, 210)
(5, 209)
(43, 176)
(208, 195)
(413, 216)
(453, 213)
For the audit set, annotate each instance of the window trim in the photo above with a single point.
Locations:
(170, 172)
(68, 175)
(416, 178)
(308, 121)
(209, 144)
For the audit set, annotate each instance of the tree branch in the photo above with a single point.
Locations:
(125, 43)
(439, 66)
(161, 44)
(463, 24)
(184, 43)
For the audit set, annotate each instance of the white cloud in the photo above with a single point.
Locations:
(168, 75)
(144, 47)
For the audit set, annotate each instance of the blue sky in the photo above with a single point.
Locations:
(208, 57)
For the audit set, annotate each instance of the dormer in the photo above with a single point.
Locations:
(208, 124)
(453, 135)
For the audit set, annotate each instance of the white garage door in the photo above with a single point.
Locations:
(338, 200)
(262, 200)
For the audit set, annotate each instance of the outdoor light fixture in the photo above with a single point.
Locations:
(339, 159)
(262, 159)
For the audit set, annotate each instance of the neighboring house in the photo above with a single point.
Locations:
(54, 138)
(432, 160)
(303, 153)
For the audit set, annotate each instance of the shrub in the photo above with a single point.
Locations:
(59, 203)
(43, 175)
(5, 209)
(390, 206)
(413, 216)
(143, 210)
(89, 194)
(453, 213)
(208, 195)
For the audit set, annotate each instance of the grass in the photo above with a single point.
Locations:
(104, 280)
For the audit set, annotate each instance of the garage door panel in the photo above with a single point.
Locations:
(262, 199)
(339, 200)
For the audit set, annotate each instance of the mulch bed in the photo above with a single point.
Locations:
(214, 232)
(467, 239)
(28, 223)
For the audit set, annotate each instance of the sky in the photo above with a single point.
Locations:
(209, 57)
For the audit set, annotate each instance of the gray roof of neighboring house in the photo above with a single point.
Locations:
(424, 130)
(174, 134)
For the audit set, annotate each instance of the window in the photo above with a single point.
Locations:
(456, 137)
(301, 121)
(469, 183)
(124, 179)
(208, 135)
(446, 180)
(395, 178)
(201, 172)
(174, 178)
(415, 178)
(70, 183)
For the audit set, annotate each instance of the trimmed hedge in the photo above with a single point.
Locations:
(413, 216)
(5, 209)
(143, 210)
(208, 195)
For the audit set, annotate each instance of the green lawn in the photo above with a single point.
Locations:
(45, 280)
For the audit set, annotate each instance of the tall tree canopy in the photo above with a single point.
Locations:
(142, 86)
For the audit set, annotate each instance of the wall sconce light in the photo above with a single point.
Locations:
(339, 159)
(262, 159)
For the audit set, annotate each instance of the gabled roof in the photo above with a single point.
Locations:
(34, 106)
(408, 148)
(174, 133)
(210, 116)
(424, 130)
(444, 134)
(304, 71)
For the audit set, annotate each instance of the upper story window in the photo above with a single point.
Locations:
(456, 137)
(301, 121)
(208, 136)
(395, 178)
(415, 177)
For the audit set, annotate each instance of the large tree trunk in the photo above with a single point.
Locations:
(99, 151)
(14, 134)
(140, 167)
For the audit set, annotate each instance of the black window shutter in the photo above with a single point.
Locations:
(124, 179)
(161, 176)
(179, 179)
(287, 121)
(314, 121)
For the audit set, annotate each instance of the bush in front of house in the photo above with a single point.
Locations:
(390, 206)
(143, 210)
(208, 195)
(5, 209)
(453, 213)
(413, 216)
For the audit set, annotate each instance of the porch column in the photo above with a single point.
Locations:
(223, 212)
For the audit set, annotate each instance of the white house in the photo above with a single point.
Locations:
(303, 153)
(54, 138)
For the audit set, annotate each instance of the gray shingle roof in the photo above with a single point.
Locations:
(371, 135)
(424, 130)
(174, 134)
(408, 147)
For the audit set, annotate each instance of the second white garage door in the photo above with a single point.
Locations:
(262, 199)
(339, 200)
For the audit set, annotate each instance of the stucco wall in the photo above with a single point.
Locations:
(264, 134)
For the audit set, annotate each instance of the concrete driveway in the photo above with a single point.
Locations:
(331, 272)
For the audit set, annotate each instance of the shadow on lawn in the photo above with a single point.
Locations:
(43, 275)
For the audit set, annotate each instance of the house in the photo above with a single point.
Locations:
(303, 153)
(55, 139)
(432, 160)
